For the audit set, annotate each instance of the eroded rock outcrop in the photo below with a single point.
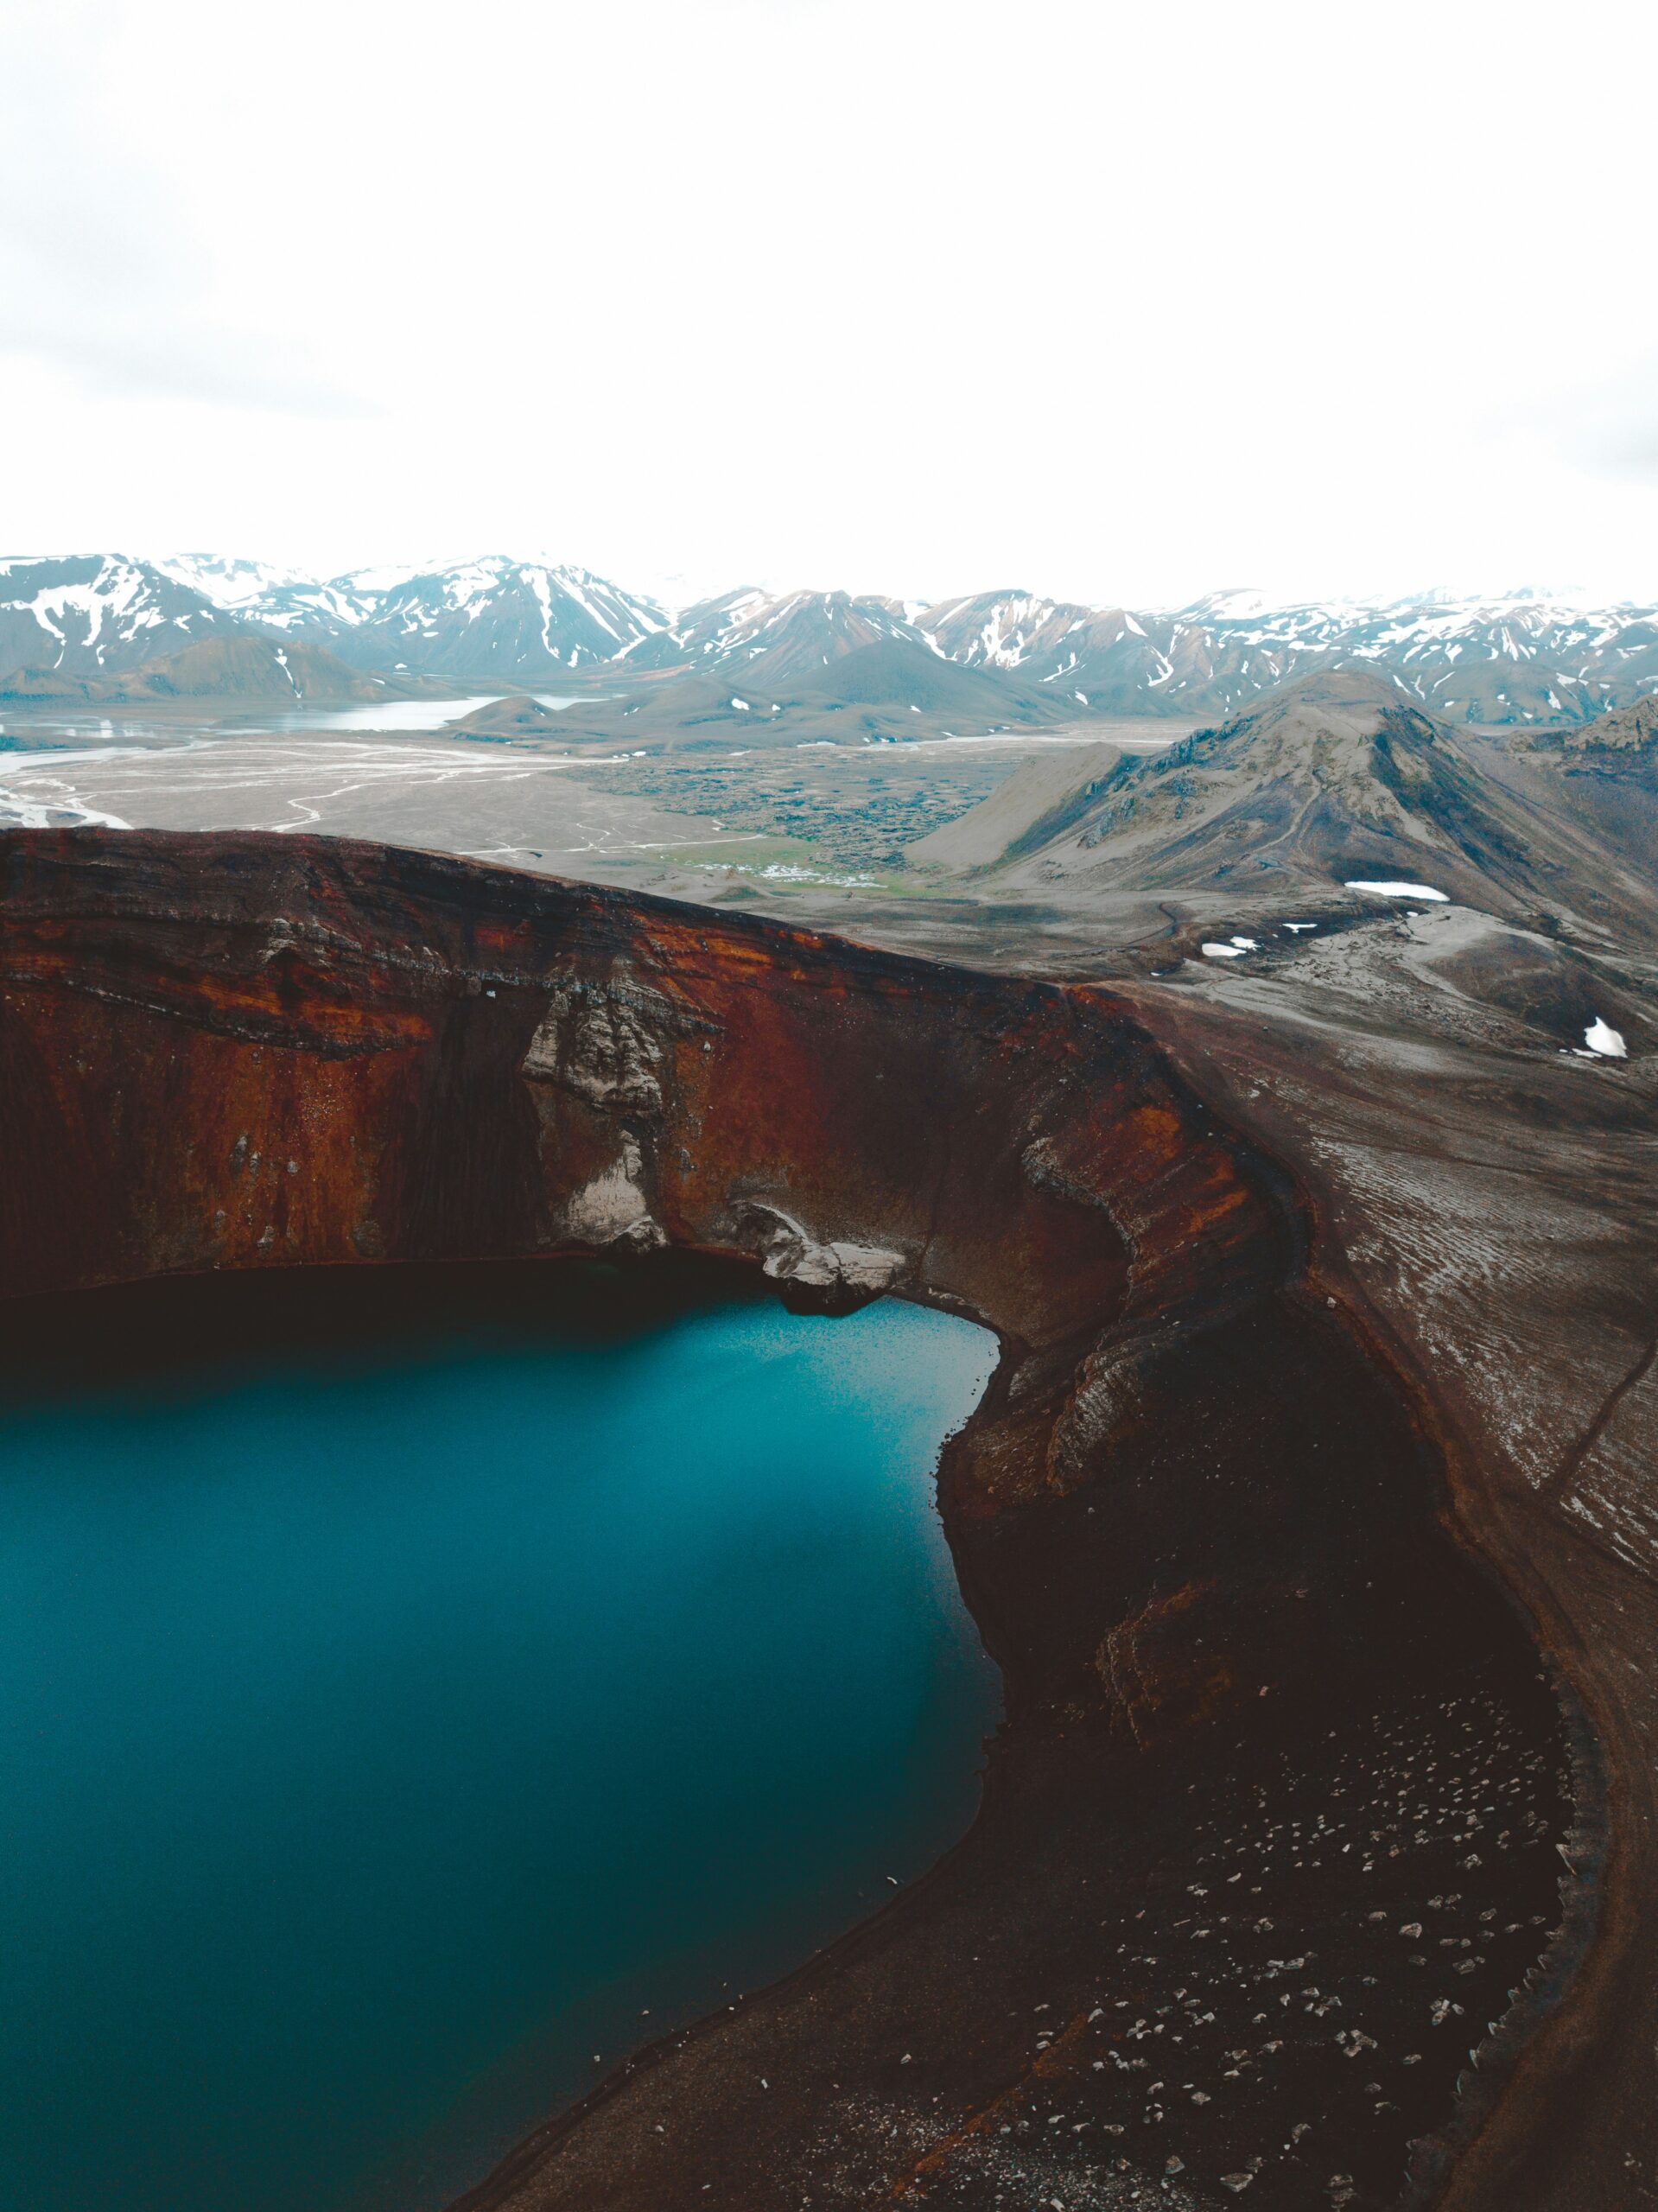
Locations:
(600, 1044)
(837, 1275)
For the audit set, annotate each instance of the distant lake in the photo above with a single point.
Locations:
(28, 724)
(395, 714)
(408, 1676)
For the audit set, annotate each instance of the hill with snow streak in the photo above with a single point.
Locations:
(778, 638)
(495, 616)
(93, 614)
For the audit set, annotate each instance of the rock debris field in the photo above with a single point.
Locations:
(1272, 2048)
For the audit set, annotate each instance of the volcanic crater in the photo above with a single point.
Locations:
(1290, 1836)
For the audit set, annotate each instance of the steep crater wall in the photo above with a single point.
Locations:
(1269, 1839)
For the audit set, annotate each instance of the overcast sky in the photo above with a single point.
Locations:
(1111, 303)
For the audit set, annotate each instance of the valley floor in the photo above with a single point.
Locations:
(699, 823)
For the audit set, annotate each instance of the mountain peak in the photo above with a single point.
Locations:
(1354, 694)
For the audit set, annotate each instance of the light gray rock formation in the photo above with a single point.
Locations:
(840, 1276)
(613, 1209)
(603, 1043)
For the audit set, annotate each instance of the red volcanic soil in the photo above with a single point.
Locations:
(1271, 1844)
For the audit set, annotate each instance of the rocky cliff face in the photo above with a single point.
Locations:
(1269, 1839)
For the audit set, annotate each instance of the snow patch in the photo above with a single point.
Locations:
(1391, 890)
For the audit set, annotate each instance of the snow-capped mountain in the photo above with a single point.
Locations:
(1491, 661)
(227, 581)
(523, 619)
(1097, 657)
(1520, 660)
(94, 614)
(781, 636)
(494, 616)
(1514, 659)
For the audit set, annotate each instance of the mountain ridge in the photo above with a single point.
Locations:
(1523, 661)
(257, 669)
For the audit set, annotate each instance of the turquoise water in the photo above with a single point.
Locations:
(424, 1674)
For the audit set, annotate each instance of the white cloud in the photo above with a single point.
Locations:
(107, 279)
(1605, 416)
(920, 298)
